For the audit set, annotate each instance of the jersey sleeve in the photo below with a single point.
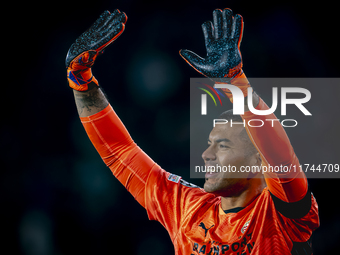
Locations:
(273, 144)
(128, 163)
(166, 197)
(300, 227)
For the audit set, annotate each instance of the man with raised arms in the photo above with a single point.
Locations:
(270, 213)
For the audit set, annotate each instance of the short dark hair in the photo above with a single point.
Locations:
(228, 115)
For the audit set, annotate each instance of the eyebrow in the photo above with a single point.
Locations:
(222, 140)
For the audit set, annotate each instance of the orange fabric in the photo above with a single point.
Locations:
(197, 224)
(194, 218)
(275, 149)
(241, 82)
(127, 161)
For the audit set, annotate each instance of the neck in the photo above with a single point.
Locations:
(256, 185)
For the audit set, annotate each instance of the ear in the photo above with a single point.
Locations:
(258, 159)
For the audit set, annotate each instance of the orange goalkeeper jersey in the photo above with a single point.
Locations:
(278, 221)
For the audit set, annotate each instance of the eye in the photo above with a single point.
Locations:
(223, 146)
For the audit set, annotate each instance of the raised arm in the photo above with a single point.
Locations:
(223, 64)
(107, 133)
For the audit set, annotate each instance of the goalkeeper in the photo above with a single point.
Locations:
(270, 213)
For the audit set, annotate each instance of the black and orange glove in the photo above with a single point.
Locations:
(223, 63)
(84, 51)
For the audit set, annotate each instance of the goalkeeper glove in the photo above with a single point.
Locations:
(222, 41)
(84, 51)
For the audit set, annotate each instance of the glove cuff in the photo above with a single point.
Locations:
(79, 74)
(81, 80)
(240, 81)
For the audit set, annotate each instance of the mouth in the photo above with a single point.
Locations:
(210, 174)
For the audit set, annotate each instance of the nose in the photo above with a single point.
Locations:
(209, 154)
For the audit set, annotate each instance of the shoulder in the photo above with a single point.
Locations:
(169, 196)
(174, 185)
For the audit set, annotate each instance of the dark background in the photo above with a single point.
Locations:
(57, 197)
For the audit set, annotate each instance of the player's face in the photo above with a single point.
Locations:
(227, 149)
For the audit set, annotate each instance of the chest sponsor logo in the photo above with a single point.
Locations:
(243, 246)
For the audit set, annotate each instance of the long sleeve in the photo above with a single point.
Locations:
(128, 163)
(275, 149)
(165, 196)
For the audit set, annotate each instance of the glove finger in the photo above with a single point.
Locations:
(237, 29)
(193, 59)
(218, 23)
(227, 16)
(113, 21)
(207, 28)
(118, 15)
(115, 12)
(108, 20)
(120, 18)
(116, 31)
(112, 35)
(101, 20)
